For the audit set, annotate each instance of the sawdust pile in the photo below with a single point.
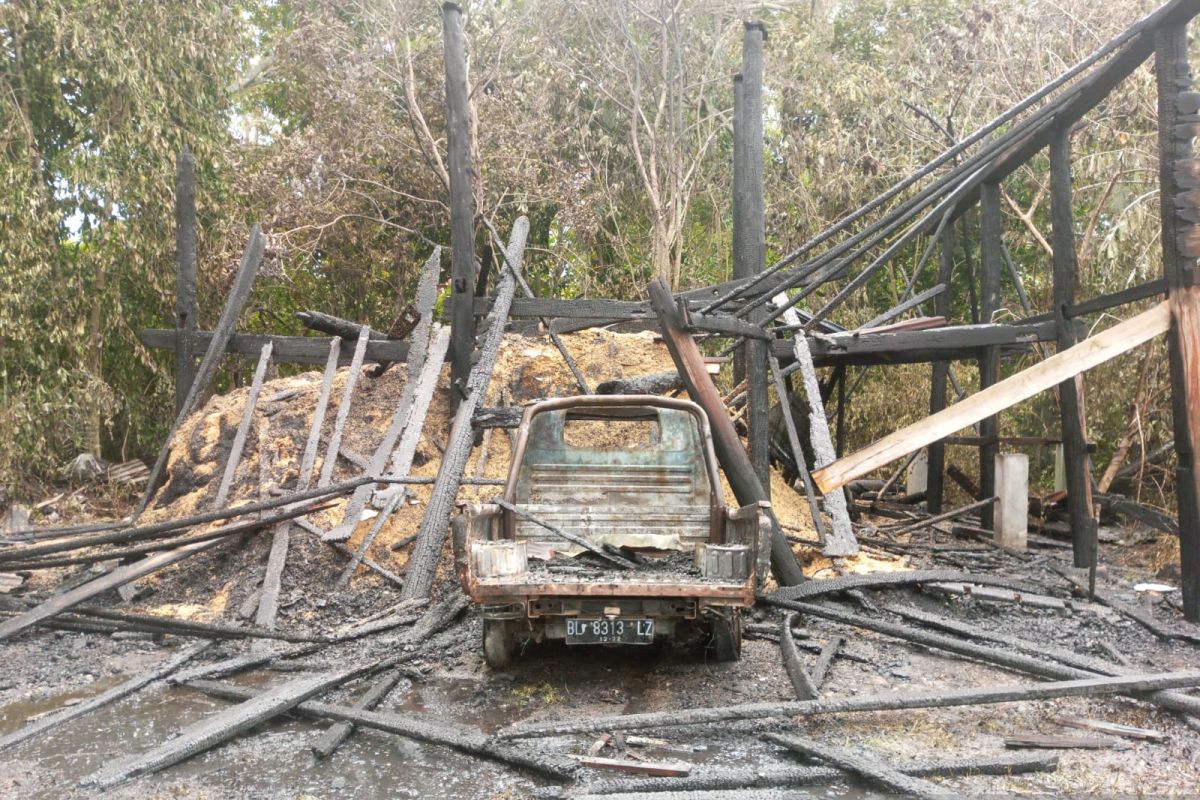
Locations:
(527, 368)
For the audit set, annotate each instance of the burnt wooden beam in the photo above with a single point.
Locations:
(287, 349)
(743, 479)
(213, 355)
(990, 262)
(1180, 234)
(839, 538)
(186, 306)
(1155, 288)
(118, 692)
(1070, 392)
(462, 202)
(889, 701)
(934, 344)
(935, 482)
(793, 665)
(422, 564)
(871, 770)
(338, 732)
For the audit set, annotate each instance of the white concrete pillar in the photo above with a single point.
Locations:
(917, 479)
(1012, 508)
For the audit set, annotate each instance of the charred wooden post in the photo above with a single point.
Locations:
(185, 280)
(739, 143)
(1179, 178)
(990, 263)
(462, 203)
(935, 487)
(1070, 399)
(750, 241)
(741, 474)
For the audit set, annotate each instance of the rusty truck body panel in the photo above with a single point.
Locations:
(633, 473)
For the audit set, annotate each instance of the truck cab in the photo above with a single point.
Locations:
(630, 475)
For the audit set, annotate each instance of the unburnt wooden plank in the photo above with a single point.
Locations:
(1064, 365)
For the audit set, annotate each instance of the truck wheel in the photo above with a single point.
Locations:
(498, 644)
(727, 637)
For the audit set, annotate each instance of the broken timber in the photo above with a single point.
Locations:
(738, 470)
(420, 357)
(802, 684)
(888, 701)
(1007, 659)
(882, 775)
(839, 539)
(741, 779)
(435, 524)
(338, 732)
(216, 729)
(440, 732)
(1054, 370)
(339, 423)
(118, 577)
(243, 429)
(112, 695)
(248, 269)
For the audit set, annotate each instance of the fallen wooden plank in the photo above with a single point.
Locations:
(339, 422)
(825, 660)
(435, 524)
(802, 684)
(875, 579)
(338, 732)
(869, 769)
(1058, 741)
(1083, 665)
(243, 429)
(889, 701)
(773, 776)
(422, 360)
(207, 370)
(159, 529)
(118, 692)
(1060, 367)
(839, 539)
(191, 628)
(214, 730)
(662, 769)
(1113, 728)
(421, 729)
(988, 593)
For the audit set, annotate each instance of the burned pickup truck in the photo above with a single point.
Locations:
(612, 529)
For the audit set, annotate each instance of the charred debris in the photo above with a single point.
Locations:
(320, 517)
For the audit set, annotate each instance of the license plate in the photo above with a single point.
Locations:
(610, 631)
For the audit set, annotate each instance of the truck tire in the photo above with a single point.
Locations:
(498, 644)
(726, 644)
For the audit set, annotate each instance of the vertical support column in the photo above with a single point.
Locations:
(750, 255)
(935, 488)
(462, 203)
(1179, 180)
(739, 211)
(990, 264)
(1012, 505)
(185, 275)
(1070, 396)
